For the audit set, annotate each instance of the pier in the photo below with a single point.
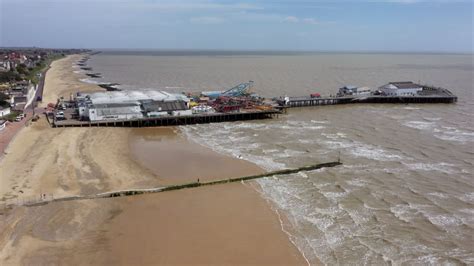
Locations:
(153, 108)
(428, 95)
(308, 101)
(170, 120)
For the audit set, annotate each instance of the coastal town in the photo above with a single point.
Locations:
(22, 73)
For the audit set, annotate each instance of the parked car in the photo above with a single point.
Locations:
(60, 116)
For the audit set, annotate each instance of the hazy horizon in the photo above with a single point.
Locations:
(438, 26)
(243, 51)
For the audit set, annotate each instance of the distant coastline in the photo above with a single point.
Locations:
(252, 52)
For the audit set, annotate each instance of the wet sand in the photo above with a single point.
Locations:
(167, 153)
(227, 224)
(224, 224)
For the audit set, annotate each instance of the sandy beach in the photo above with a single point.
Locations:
(225, 224)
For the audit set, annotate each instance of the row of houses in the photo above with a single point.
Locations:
(21, 94)
(10, 60)
(116, 105)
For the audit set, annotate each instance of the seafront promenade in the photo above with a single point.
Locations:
(12, 128)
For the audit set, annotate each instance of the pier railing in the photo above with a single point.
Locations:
(446, 97)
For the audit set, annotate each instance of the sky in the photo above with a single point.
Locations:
(350, 25)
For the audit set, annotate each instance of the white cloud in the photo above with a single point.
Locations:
(206, 20)
(310, 21)
(291, 19)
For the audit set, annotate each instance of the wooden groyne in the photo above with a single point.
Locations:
(109, 86)
(131, 192)
(170, 120)
(245, 178)
(94, 75)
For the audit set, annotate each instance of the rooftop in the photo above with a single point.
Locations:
(133, 96)
(405, 84)
(155, 106)
(350, 87)
(115, 105)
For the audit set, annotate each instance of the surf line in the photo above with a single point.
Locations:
(132, 192)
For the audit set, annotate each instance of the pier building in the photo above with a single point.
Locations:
(401, 88)
(354, 90)
(106, 111)
(113, 105)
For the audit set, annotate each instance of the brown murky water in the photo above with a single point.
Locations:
(405, 193)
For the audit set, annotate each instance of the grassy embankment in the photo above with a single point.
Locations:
(41, 67)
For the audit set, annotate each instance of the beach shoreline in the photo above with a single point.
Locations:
(239, 225)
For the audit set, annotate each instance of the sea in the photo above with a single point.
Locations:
(405, 191)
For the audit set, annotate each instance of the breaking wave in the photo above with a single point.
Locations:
(327, 214)
(448, 133)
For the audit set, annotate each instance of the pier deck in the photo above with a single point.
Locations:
(308, 101)
(428, 95)
(170, 120)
